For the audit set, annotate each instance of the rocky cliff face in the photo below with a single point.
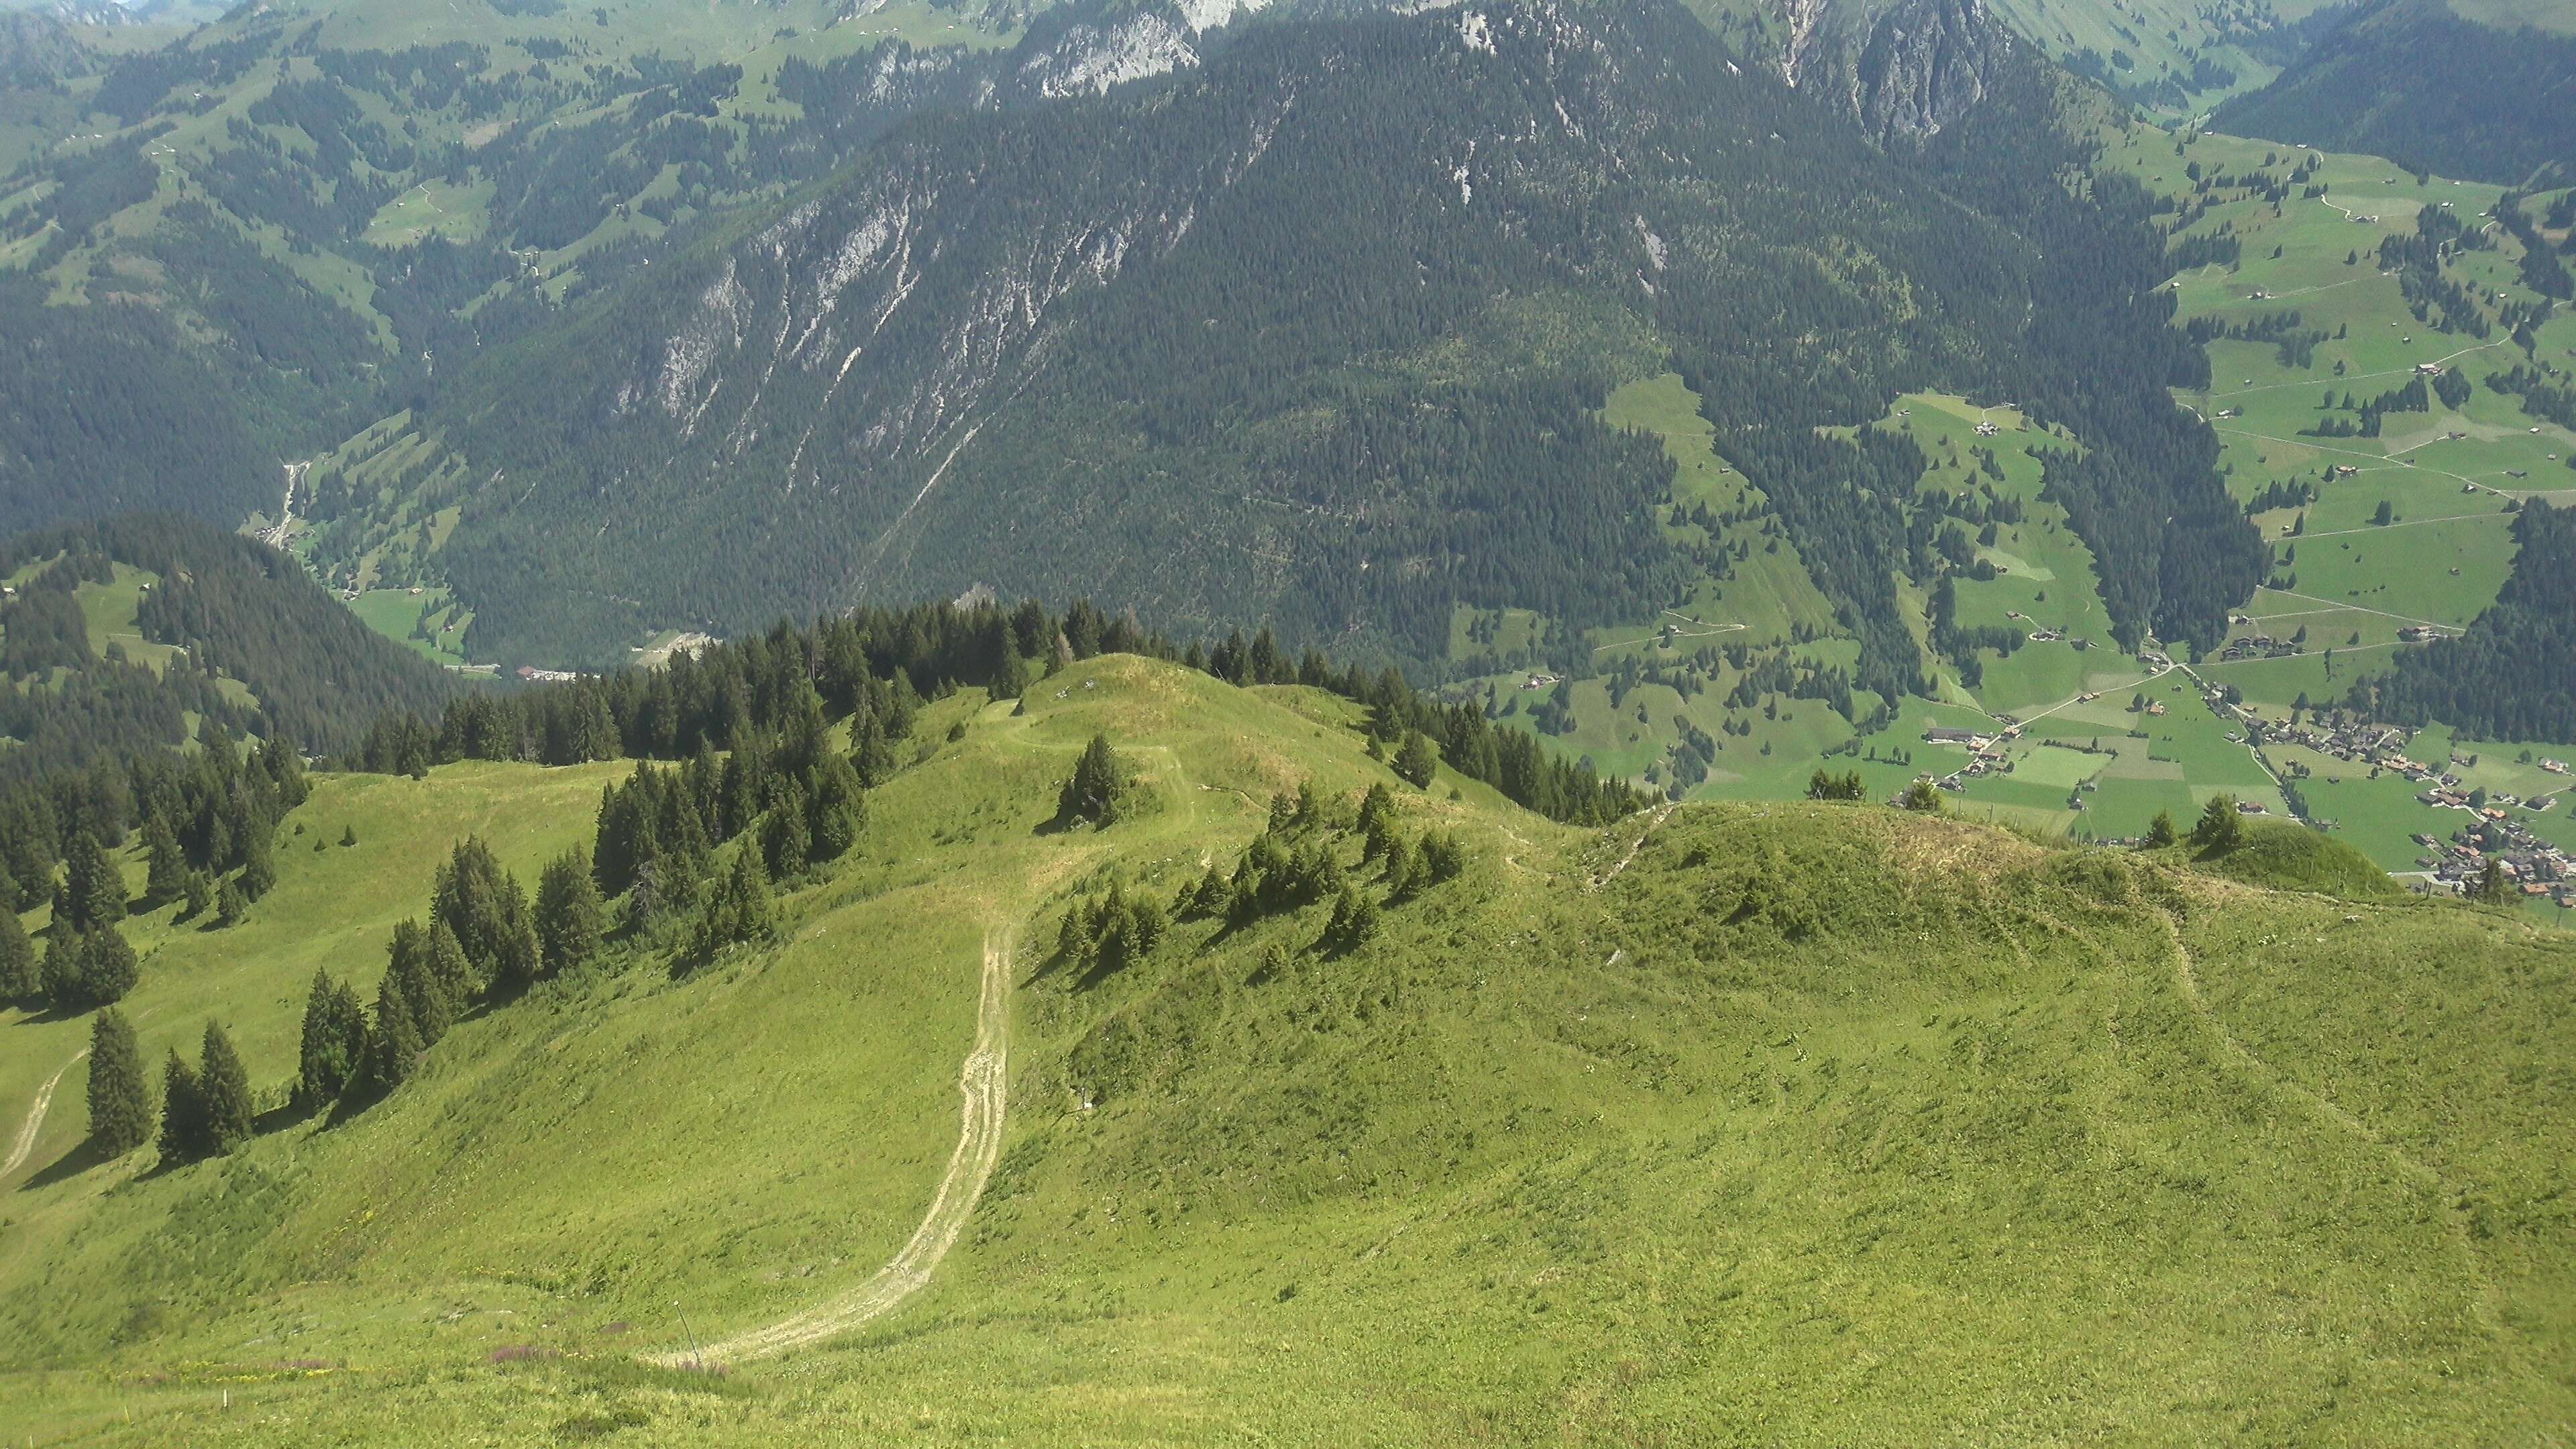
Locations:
(38, 51)
(1904, 74)
(1924, 66)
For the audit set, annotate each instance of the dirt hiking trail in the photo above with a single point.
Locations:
(979, 1146)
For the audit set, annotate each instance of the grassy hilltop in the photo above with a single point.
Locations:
(1731, 1123)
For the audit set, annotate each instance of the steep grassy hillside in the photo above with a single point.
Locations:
(1811, 1123)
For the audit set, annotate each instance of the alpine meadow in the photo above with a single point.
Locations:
(1306, 722)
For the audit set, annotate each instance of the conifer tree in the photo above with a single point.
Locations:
(872, 753)
(1011, 675)
(2220, 827)
(334, 1043)
(93, 891)
(1403, 866)
(785, 841)
(393, 1042)
(230, 906)
(183, 1112)
(2492, 888)
(108, 967)
(429, 970)
(2161, 831)
(196, 895)
(1098, 788)
(59, 979)
(739, 909)
(349, 835)
(1416, 761)
(120, 1101)
(488, 910)
(1444, 855)
(168, 877)
(258, 872)
(838, 810)
(223, 1086)
(570, 915)
(19, 980)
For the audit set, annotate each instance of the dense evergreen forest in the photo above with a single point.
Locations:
(241, 615)
(2415, 81)
(2508, 677)
(103, 411)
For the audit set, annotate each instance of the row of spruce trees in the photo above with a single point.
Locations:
(875, 666)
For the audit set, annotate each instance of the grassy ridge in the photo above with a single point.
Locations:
(1809, 1122)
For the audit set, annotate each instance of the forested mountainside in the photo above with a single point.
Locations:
(1321, 338)
(2415, 81)
(2508, 676)
(148, 632)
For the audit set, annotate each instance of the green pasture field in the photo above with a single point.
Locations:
(394, 613)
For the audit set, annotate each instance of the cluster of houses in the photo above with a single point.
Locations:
(2380, 746)
(2535, 867)
(2260, 646)
(1985, 753)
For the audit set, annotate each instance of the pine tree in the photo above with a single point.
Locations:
(19, 980)
(196, 895)
(1011, 676)
(230, 906)
(93, 892)
(2161, 831)
(108, 968)
(428, 968)
(1416, 761)
(1403, 869)
(873, 754)
(258, 872)
(2220, 827)
(183, 1112)
(349, 835)
(785, 840)
(393, 1042)
(1098, 788)
(333, 1046)
(488, 910)
(2493, 888)
(570, 915)
(59, 979)
(838, 811)
(120, 1101)
(168, 877)
(223, 1086)
(739, 909)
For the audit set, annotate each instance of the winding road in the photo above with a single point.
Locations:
(25, 1146)
(979, 1146)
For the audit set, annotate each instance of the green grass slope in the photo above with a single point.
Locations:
(2295, 858)
(1737, 1123)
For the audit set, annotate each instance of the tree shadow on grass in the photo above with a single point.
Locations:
(84, 1155)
